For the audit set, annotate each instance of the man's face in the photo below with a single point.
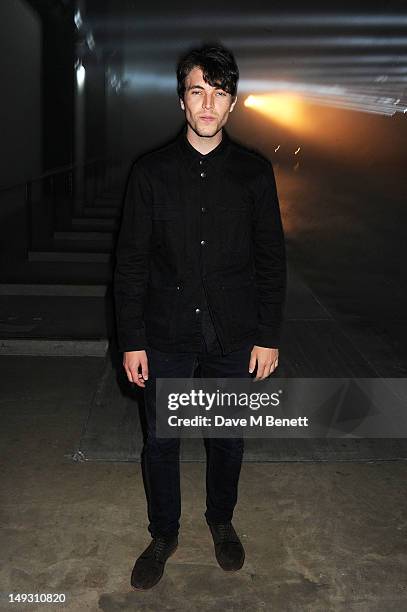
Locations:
(206, 108)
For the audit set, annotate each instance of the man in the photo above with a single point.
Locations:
(200, 279)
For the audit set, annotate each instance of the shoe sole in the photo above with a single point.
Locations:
(159, 578)
(232, 570)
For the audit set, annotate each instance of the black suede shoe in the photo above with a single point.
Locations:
(229, 550)
(149, 567)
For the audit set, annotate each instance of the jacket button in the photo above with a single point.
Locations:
(203, 174)
(178, 287)
(197, 310)
(203, 209)
(203, 242)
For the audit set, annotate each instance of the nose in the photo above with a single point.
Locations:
(207, 101)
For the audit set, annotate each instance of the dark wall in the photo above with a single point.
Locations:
(57, 81)
(58, 85)
(20, 99)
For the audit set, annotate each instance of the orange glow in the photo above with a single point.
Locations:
(286, 109)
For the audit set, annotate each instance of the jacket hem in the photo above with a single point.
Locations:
(196, 347)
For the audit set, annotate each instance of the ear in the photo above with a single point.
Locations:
(181, 101)
(232, 106)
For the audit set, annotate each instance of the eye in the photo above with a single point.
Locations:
(221, 93)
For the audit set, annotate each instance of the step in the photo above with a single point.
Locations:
(55, 272)
(53, 290)
(54, 348)
(69, 256)
(85, 246)
(85, 223)
(102, 212)
(66, 315)
(107, 202)
(77, 236)
(113, 195)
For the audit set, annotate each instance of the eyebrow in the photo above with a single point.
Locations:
(200, 87)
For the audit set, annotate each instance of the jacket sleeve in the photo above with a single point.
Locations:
(132, 262)
(270, 261)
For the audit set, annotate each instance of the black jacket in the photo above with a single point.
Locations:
(172, 253)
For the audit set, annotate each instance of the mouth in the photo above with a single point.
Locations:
(207, 118)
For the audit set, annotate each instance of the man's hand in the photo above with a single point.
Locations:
(132, 362)
(267, 361)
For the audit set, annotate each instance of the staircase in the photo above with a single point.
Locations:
(56, 296)
(87, 238)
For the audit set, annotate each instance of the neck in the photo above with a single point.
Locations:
(203, 144)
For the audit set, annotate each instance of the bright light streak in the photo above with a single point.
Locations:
(336, 97)
(78, 19)
(297, 151)
(273, 20)
(302, 43)
(359, 97)
(90, 41)
(80, 75)
(275, 150)
(284, 108)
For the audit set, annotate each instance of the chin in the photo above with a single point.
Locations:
(207, 131)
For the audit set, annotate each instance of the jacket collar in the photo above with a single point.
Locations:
(192, 157)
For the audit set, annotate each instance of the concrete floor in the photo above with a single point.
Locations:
(318, 536)
(345, 232)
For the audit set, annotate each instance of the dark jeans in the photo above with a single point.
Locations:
(161, 455)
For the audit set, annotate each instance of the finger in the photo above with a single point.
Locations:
(128, 372)
(268, 369)
(266, 372)
(260, 370)
(144, 368)
(136, 377)
(140, 382)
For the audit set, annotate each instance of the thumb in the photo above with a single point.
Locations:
(252, 363)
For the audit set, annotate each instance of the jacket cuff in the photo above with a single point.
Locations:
(133, 341)
(268, 337)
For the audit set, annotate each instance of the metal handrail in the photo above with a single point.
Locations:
(53, 172)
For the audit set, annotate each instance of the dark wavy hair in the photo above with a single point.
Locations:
(217, 64)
